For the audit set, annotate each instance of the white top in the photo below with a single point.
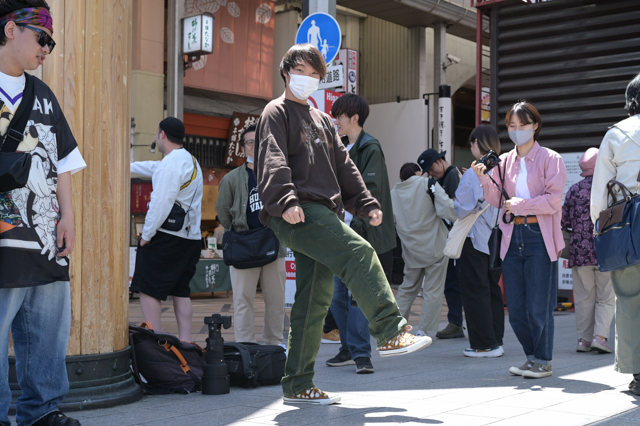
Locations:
(168, 176)
(522, 187)
(348, 216)
(11, 89)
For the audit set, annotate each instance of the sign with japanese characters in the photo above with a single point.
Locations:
(444, 128)
(334, 78)
(571, 163)
(198, 34)
(235, 155)
(348, 59)
(322, 31)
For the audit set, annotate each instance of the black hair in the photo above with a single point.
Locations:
(407, 170)
(487, 138)
(527, 114)
(351, 105)
(8, 6)
(248, 129)
(633, 96)
(173, 139)
(299, 53)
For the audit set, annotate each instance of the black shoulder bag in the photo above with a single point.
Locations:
(175, 220)
(495, 239)
(15, 166)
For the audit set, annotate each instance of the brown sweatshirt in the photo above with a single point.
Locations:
(300, 159)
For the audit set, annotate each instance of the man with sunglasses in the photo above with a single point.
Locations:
(238, 204)
(36, 223)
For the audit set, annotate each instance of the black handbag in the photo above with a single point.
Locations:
(175, 220)
(495, 239)
(249, 249)
(617, 231)
(15, 166)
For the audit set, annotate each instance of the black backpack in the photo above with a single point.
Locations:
(251, 365)
(163, 364)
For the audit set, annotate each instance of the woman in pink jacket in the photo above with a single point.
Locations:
(534, 181)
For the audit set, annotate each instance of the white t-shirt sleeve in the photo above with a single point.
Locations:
(144, 168)
(71, 163)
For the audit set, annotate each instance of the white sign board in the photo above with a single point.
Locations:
(349, 60)
(444, 128)
(334, 78)
(197, 34)
(571, 160)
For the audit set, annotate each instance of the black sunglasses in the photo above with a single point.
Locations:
(44, 39)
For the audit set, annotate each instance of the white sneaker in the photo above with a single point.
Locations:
(484, 353)
(421, 333)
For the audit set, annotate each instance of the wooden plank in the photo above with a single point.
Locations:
(124, 13)
(53, 67)
(73, 107)
(94, 257)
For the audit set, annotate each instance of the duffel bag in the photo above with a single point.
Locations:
(251, 365)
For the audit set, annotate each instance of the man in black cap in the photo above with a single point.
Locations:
(448, 176)
(170, 245)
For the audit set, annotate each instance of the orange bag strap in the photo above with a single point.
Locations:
(183, 362)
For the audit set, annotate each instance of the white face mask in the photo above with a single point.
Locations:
(521, 137)
(303, 86)
(249, 159)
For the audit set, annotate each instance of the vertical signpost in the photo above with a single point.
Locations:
(444, 122)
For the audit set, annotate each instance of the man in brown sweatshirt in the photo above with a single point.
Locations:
(306, 180)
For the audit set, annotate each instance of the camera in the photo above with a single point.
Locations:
(490, 160)
(215, 380)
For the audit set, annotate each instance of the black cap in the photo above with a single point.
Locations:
(429, 157)
(173, 127)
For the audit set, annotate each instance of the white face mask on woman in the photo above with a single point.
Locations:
(302, 86)
(521, 137)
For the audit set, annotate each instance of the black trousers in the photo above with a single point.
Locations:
(481, 298)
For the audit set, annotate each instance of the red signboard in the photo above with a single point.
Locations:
(140, 197)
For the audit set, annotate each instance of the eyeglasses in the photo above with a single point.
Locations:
(44, 39)
(249, 142)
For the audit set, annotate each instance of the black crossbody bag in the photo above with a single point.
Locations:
(15, 166)
(175, 220)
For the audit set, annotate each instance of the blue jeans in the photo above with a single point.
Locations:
(531, 286)
(40, 321)
(352, 324)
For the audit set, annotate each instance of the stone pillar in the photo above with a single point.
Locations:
(90, 74)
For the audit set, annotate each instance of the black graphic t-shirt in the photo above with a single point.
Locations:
(254, 204)
(29, 215)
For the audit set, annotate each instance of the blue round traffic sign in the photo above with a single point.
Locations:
(323, 31)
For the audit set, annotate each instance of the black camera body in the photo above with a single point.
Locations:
(215, 380)
(490, 160)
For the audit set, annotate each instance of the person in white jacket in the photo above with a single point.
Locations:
(619, 159)
(167, 255)
(419, 205)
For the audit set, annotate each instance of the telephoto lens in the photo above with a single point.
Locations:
(215, 380)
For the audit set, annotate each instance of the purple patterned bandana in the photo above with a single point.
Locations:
(31, 15)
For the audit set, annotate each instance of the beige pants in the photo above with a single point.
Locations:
(245, 282)
(626, 285)
(595, 301)
(432, 294)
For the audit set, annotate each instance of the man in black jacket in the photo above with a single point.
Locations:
(448, 177)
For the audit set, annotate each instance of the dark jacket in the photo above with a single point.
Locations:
(368, 157)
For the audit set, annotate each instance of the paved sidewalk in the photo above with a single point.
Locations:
(437, 385)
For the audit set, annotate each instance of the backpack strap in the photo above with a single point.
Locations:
(247, 362)
(185, 367)
(15, 132)
(193, 175)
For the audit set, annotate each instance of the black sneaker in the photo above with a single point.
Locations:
(634, 386)
(56, 419)
(363, 365)
(343, 358)
(451, 331)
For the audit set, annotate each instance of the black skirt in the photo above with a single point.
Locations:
(165, 266)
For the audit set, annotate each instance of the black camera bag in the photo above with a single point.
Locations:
(163, 364)
(251, 365)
